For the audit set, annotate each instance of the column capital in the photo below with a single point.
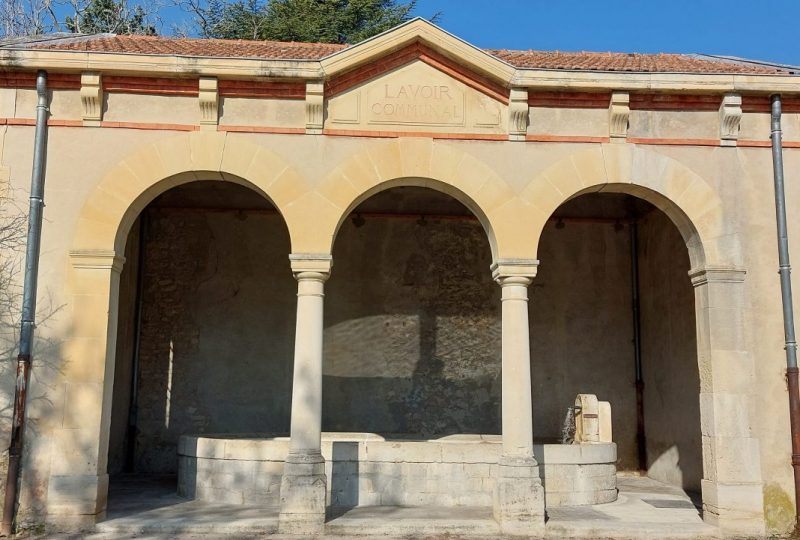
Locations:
(514, 271)
(313, 263)
(97, 259)
(716, 274)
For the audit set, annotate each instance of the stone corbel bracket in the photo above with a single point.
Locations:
(619, 112)
(518, 114)
(315, 98)
(209, 103)
(730, 115)
(91, 98)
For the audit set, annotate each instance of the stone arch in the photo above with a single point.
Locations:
(679, 192)
(112, 207)
(423, 163)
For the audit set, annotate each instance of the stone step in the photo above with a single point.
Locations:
(401, 521)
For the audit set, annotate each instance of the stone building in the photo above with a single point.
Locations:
(422, 249)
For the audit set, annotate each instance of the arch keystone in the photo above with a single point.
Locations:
(415, 156)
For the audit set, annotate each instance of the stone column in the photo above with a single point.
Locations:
(732, 486)
(519, 495)
(303, 486)
(78, 481)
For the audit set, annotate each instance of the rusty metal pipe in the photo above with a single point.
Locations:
(28, 306)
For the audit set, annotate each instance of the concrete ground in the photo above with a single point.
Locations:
(149, 509)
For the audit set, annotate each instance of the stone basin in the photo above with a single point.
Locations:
(365, 469)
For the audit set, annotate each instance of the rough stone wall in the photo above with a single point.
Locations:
(412, 338)
(217, 329)
(669, 355)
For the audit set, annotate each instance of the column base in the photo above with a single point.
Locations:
(519, 497)
(76, 503)
(734, 507)
(303, 490)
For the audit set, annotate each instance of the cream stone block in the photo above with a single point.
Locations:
(146, 164)
(542, 193)
(734, 506)
(415, 156)
(361, 173)
(565, 178)
(312, 236)
(386, 159)
(697, 199)
(239, 156)
(336, 187)
(287, 187)
(493, 193)
(175, 155)
(89, 233)
(82, 405)
(618, 161)
(445, 160)
(77, 350)
(646, 165)
(725, 415)
(514, 224)
(590, 167)
(206, 150)
(74, 452)
(76, 495)
(263, 170)
(470, 176)
(672, 181)
(731, 371)
(737, 459)
(90, 315)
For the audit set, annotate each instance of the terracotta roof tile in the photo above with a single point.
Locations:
(632, 62)
(227, 48)
(277, 50)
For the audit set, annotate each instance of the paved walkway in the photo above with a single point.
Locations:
(149, 509)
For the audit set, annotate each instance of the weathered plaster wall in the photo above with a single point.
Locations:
(669, 355)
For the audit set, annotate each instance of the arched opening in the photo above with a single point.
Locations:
(205, 329)
(412, 337)
(594, 251)
(411, 365)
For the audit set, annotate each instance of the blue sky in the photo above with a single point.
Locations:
(756, 29)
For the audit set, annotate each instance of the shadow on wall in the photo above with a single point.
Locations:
(412, 337)
(47, 364)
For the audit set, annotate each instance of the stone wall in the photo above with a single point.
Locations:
(367, 470)
(669, 355)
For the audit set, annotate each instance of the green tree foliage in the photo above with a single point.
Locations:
(110, 16)
(327, 21)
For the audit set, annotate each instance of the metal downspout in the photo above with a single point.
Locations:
(641, 440)
(28, 305)
(785, 271)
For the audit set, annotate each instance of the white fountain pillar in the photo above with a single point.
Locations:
(519, 495)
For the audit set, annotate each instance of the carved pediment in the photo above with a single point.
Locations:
(417, 96)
